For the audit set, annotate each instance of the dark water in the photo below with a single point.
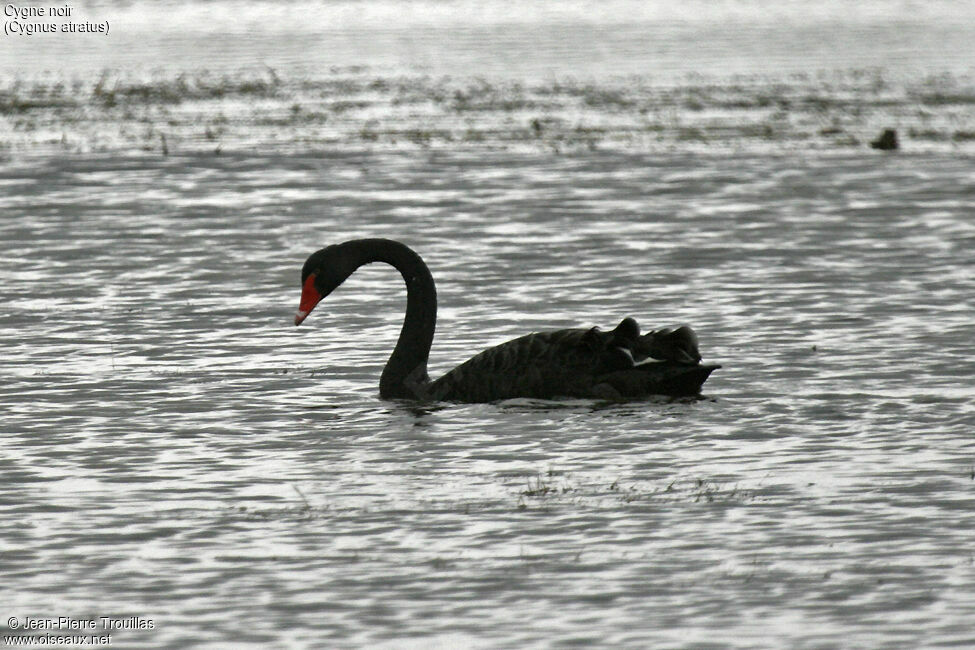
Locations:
(174, 449)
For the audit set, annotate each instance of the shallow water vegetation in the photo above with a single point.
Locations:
(20, 99)
(110, 90)
(943, 89)
(357, 106)
(542, 487)
(481, 95)
(289, 513)
(303, 511)
(686, 490)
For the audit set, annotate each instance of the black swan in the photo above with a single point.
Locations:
(585, 363)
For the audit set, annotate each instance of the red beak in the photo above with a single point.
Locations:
(309, 298)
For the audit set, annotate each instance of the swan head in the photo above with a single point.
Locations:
(322, 273)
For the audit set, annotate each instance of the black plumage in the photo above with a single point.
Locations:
(588, 363)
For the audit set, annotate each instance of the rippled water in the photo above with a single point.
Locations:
(175, 449)
(172, 448)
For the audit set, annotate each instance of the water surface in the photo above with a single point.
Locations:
(174, 449)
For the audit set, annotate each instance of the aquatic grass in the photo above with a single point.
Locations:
(12, 103)
(303, 512)
(685, 490)
(943, 90)
(613, 98)
(541, 487)
(688, 490)
(292, 513)
(208, 112)
(481, 95)
(22, 96)
(109, 90)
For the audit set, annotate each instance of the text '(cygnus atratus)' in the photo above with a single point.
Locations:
(586, 363)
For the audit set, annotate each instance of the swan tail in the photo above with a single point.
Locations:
(669, 378)
(580, 363)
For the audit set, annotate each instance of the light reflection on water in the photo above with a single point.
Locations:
(492, 38)
(174, 448)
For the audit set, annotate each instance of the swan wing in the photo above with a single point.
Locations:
(540, 365)
(572, 363)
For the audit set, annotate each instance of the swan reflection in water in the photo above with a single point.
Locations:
(586, 363)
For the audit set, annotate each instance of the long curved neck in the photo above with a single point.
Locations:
(406, 370)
